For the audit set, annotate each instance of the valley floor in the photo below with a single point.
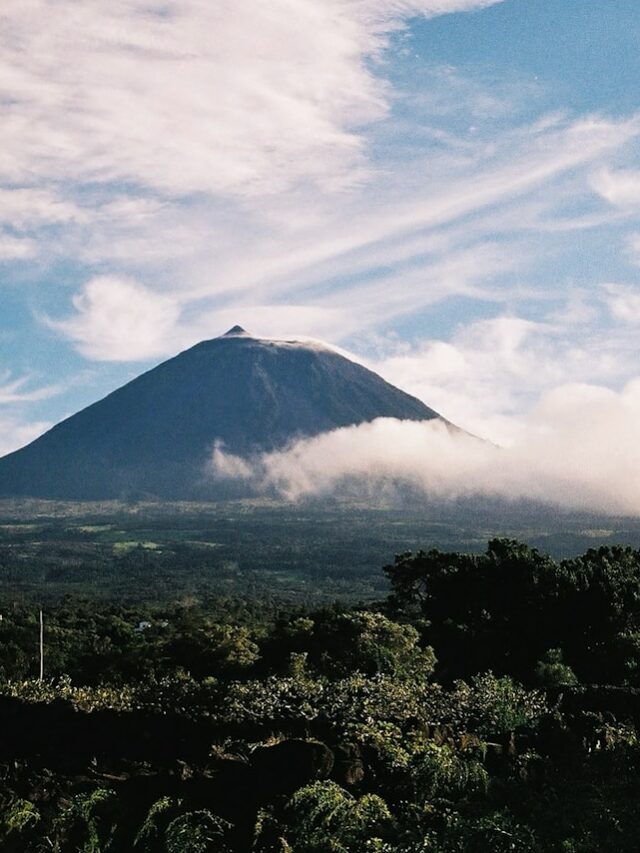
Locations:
(309, 553)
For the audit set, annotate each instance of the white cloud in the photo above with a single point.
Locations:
(620, 187)
(426, 197)
(18, 390)
(189, 96)
(578, 449)
(15, 248)
(634, 246)
(272, 321)
(219, 152)
(623, 302)
(491, 371)
(15, 429)
(308, 263)
(198, 145)
(28, 206)
(466, 271)
(118, 319)
(15, 433)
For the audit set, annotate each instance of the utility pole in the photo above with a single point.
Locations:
(41, 646)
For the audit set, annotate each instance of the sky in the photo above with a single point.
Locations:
(447, 189)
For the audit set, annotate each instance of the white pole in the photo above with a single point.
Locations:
(41, 647)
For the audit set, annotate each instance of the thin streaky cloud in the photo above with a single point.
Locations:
(343, 169)
(18, 391)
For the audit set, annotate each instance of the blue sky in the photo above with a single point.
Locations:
(450, 190)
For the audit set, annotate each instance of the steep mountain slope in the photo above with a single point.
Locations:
(153, 436)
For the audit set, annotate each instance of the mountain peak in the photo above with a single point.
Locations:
(236, 332)
(155, 436)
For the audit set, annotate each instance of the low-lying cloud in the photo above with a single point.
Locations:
(578, 449)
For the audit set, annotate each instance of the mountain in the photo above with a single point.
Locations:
(154, 436)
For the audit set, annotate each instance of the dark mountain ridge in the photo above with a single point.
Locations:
(154, 436)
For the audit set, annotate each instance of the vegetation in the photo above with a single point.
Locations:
(310, 554)
(491, 702)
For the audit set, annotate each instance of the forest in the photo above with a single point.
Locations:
(488, 702)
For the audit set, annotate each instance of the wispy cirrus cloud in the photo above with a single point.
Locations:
(155, 140)
(253, 127)
(13, 248)
(186, 96)
(17, 396)
(20, 389)
(171, 168)
(391, 252)
(623, 301)
(620, 187)
(25, 207)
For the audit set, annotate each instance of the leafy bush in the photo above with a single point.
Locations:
(20, 821)
(441, 771)
(87, 823)
(551, 671)
(324, 818)
(196, 832)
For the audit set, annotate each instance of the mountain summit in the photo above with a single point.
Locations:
(236, 332)
(154, 436)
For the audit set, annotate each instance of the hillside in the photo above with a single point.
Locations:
(153, 437)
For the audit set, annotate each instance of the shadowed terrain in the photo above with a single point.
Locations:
(154, 436)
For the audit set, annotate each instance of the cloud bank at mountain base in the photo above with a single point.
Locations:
(578, 450)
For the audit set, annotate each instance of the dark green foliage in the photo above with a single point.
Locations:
(516, 611)
(336, 644)
(327, 819)
(196, 832)
(223, 726)
(87, 822)
(20, 824)
(551, 671)
(151, 834)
